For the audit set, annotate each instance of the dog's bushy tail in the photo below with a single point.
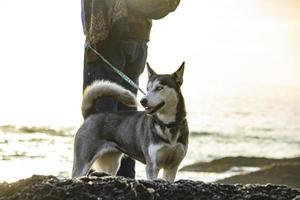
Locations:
(102, 88)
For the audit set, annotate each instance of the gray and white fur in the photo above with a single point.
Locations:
(157, 137)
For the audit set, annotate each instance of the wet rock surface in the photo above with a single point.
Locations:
(106, 187)
(275, 171)
(226, 163)
(287, 174)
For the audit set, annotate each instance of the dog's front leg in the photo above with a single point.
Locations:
(170, 174)
(152, 171)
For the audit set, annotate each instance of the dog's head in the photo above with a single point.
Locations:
(162, 91)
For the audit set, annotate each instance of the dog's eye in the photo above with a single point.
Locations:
(158, 88)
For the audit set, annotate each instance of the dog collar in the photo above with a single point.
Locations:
(173, 126)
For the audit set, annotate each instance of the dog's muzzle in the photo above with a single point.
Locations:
(149, 109)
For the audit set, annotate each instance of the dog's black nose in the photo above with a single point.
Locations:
(144, 102)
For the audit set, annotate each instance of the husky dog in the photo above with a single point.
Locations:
(157, 137)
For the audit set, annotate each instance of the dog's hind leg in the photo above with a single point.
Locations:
(80, 169)
(81, 165)
(108, 162)
(84, 154)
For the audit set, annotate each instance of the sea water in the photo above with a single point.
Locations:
(224, 121)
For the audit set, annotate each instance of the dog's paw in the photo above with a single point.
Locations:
(98, 174)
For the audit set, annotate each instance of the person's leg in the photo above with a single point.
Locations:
(99, 70)
(127, 167)
(136, 54)
(95, 71)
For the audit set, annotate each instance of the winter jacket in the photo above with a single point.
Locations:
(112, 20)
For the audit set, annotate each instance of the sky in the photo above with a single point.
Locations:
(228, 42)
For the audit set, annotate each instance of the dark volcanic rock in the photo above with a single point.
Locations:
(107, 187)
(288, 174)
(224, 164)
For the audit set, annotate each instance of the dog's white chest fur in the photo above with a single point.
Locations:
(166, 154)
(167, 135)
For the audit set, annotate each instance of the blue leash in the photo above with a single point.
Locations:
(120, 73)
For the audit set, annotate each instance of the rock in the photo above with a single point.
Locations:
(224, 164)
(287, 174)
(106, 187)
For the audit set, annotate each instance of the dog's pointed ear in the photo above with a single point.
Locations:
(151, 72)
(179, 74)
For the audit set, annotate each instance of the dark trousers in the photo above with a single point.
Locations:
(129, 57)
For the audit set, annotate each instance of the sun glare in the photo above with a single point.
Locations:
(232, 41)
(251, 41)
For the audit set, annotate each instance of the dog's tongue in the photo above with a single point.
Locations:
(148, 110)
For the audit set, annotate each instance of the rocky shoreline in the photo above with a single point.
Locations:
(224, 164)
(102, 187)
(275, 171)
